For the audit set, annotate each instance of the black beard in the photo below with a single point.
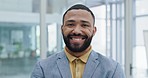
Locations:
(85, 45)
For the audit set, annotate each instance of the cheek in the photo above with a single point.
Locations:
(89, 32)
(66, 31)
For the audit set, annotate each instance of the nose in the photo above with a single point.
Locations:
(77, 30)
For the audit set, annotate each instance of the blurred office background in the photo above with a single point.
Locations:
(30, 31)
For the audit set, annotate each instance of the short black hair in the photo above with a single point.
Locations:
(79, 6)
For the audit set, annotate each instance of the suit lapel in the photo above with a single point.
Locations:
(63, 65)
(91, 65)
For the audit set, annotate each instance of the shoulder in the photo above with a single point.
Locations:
(109, 66)
(102, 58)
(46, 67)
(51, 60)
(105, 62)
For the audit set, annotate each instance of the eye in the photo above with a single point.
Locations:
(85, 25)
(70, 24)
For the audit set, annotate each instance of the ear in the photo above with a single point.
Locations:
(62, 28)
(94, 30)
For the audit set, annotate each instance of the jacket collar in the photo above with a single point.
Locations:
(63, 65)
(92, 63)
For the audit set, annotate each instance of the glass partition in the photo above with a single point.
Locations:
(141, 67)
(17, 49)
(18, 37)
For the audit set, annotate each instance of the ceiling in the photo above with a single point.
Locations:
(54, 9)
(59, 6)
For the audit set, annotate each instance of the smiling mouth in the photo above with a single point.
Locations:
(77, 38)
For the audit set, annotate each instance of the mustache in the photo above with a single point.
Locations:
(84, 36)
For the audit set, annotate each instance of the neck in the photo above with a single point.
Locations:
(78, 54)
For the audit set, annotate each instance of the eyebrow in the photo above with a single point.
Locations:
(84, 21)
(75, 21)
(70, 21)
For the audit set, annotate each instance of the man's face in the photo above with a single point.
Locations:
(78, 30)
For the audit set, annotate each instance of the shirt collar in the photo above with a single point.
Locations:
(83, 58)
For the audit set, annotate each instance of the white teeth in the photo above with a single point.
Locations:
(76, 38)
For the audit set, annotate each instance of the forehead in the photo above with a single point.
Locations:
(79, 14)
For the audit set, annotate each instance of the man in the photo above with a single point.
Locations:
(78, 60)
